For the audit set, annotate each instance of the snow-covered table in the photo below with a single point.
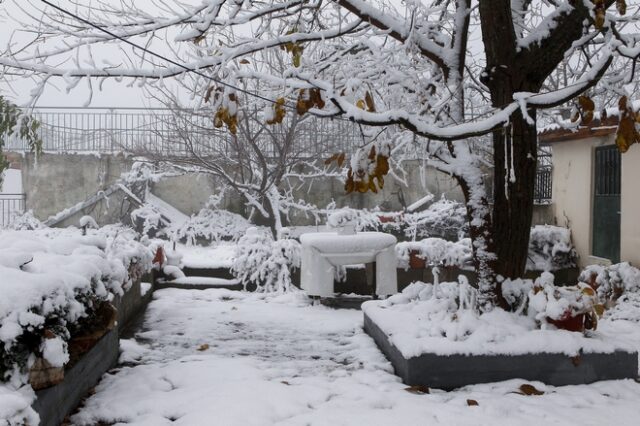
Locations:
(323, 251)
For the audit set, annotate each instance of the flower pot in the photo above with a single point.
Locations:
(386, 219)
(415, 261)
(569, 322)
(43, 375)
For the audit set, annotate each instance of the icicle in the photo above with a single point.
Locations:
(507, 168)
(512, 171)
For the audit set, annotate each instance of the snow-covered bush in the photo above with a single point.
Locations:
(264, 262)
(54, 281)
(547, 301)
(149, 218)
(612, 281)
(26, 222)
(211, 224)
(550, 249)
(435, 251)
(444, 218)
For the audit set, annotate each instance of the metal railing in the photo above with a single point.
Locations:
(543, 189)
(111, 130)
(138, 130)
(542, 192)
(11, 205)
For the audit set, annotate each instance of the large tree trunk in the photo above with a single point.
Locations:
(515, 157)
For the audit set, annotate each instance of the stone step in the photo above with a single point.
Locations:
(223, 273)
(199, 283)
(345, 301)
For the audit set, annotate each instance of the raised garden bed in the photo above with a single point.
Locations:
(91, 357)
(456, 370)
(53, 404)
(132, 302)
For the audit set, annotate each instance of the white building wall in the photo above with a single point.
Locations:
(573, 171)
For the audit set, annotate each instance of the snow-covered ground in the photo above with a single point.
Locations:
(220, 255)
(217, 357)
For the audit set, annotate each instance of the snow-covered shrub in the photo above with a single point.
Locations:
(26, 222)
(550, 249)
(444, 218)
(264, 262)
(612, 281)
(550, 302)
(211, 224)
(447, 310)
(435, 251)
(53, 281)
(149, 218)
(87, 222)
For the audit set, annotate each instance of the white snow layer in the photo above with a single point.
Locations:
(418, 321)
(229, 358)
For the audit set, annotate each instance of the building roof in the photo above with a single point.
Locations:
(596, 128)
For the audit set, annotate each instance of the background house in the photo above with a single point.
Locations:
(596, 192)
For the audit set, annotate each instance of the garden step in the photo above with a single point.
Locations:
(345, 301)
(224, 273)
(199, 283)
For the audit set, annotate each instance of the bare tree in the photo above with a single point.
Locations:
(259, 162)
(381, 63)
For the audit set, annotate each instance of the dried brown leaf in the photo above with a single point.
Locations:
(621, 5)
(368, 99)
(418, 389)
(622, 104)
(527, 389)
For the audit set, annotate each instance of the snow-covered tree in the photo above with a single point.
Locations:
(259, 162)
(444, 70)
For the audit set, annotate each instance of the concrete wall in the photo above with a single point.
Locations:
(573, 169)
(54, 182)
(189, 193)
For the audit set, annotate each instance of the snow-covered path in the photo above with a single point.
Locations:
(216, 357)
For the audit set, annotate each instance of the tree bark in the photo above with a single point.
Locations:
(515, 157)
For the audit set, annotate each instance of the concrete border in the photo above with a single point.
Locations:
(131, 303)
(55, 403)
(454, 371)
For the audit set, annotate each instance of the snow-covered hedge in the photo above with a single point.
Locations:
(264, 262)
(149, 218)
(211, 225)
(612, 281)
(444, 219)
(51, 280)
(436, 251)
(25, 222)
(550, 249)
